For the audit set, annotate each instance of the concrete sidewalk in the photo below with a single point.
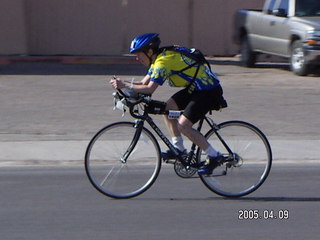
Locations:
(68, 152)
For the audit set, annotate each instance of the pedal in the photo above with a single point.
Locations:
(169, 161)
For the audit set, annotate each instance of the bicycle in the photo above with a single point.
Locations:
(123, 159)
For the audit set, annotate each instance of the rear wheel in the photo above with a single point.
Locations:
(248, 57)
(246, 167)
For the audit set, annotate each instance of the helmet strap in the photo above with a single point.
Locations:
(146, 53)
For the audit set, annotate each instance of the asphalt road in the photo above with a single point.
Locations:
(58, 202)
(50, 111)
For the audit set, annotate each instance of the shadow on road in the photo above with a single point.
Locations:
(246, 199)
(278, 199)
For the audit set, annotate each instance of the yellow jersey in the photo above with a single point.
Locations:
(168, 65)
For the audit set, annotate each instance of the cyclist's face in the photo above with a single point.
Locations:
(142, 58)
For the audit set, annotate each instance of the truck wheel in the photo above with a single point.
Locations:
(298, 63)
(248, 57)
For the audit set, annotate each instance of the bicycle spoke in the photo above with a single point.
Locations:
(114, 177)
(249, 164)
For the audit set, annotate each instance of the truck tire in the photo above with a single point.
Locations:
(298, 62)
(248, 57)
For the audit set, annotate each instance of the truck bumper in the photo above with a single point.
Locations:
(312, 56)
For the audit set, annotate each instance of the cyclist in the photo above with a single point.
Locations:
(203, 95)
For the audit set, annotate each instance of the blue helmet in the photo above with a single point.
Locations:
(145, 41)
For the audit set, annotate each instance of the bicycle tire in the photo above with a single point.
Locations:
(251, 162)
(115, 177)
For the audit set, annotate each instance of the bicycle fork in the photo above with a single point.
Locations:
(139, 126)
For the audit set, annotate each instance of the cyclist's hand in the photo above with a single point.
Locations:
(117, 83)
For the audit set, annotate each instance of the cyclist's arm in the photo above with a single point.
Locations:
(145, 86)
(144, 81)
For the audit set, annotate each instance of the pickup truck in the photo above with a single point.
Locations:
(286, 28)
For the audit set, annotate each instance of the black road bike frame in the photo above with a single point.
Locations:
(185, 161)
(141, 118)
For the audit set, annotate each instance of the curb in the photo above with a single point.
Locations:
(73, 151)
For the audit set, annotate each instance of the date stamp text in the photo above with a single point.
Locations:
(255, 214)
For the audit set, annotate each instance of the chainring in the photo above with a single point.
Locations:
(185, 172)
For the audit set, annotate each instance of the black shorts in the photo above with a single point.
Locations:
(197, 104)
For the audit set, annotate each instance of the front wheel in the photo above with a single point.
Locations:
(298, 63)
(120, 162)
(247, 162)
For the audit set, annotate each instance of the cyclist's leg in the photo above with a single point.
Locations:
(196, 109)
(172, 124)
(185, 126)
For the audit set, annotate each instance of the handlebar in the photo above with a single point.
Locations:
(132, 99)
